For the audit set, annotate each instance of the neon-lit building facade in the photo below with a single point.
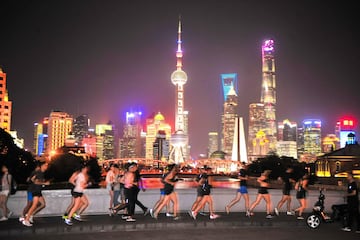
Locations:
(213, 145)
(229, 81)
(312, 136)
(345, 126)
(268, 92)
(131, 142)
(228, 121)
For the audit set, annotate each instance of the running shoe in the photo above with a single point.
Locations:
(300, 218)
(26, 223)
(269, 216)
(346, 229)
(31, 219)
(68, 221)
(290, 213)
(214, 216)
(151, 212)
(192, 214)
(247, 214)
(78, 217)
(276, 211)
(176, 218)
(169, 214)
(10, 213)
(146, 212)
(125, 217)
(21, 219)
(130, 219)
(64, 216)
(3, 219)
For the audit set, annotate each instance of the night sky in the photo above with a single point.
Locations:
(104, 58)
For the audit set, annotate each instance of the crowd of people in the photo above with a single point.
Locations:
(124, 185)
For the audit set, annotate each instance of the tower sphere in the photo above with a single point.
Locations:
(179, 77)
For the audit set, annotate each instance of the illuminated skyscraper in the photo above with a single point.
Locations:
(105, 141)
(40, 137)
(287, 139)
(312, 136)
(213, 143)
(59, 126)
(5, 104)
(154, 125)
(268, 92)
(81, 128)
(179, 140)
(131, 144)
(258, 144)
(228, 121)
(229, 81)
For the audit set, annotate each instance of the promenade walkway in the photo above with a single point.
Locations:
(104, 223)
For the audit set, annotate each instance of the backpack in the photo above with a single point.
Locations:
(12, 184)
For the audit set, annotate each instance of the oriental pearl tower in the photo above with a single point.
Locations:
(179, 139)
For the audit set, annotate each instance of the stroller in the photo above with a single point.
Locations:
(317, 216)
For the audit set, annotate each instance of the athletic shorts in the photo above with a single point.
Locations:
(243, 190)
(36, 194)
(263, 190)
(286, 192)
(77, 194)
(29, 196)
(4, 192)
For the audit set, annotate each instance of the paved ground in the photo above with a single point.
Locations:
(104, 223)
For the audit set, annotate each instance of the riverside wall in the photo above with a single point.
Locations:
(58, 200)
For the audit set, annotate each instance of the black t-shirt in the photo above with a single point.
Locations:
(286, 179)
(38, 175)
(243, 173)
(353, 187)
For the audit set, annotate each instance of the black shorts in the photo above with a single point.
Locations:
(301, 194)
(200, 192)
(77, 194)
(286, 191)
(36, 194)
(168, 189)
(263, 190)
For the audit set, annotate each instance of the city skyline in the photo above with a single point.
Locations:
(105, 59)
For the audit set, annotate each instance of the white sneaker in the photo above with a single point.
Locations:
(10, 213)
(151, 212)
(169, 215)
(77, 217)
(21, 219)
(290, 213)
(3, 219)
(192, 214)
(214, 216)
(31, 219)
(26, 223)
(269, 216)
(346, 229)
(130, 219)
(68, 221)
(276, 211)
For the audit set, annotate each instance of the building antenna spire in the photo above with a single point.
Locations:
(179, 53)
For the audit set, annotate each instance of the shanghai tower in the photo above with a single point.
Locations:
(268, 93)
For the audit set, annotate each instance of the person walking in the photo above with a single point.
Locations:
(205, 181)
(263, 193)
(140, 186)
(80, 181)
(301, 194)
(37, 183)
(288, 181)
(6, 179)
(242, 191)
(352, 197)
(109, 180)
